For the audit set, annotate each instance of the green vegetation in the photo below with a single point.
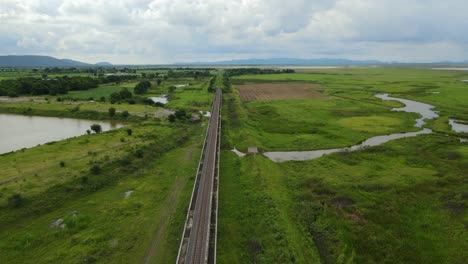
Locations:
(106, 197)
(401, 202)
(54, 86)
(121, 196)
(142, 87)
(88, 197)
(246, 71)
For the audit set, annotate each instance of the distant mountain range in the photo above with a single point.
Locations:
(31, 61)
(292, 61)
(314, 62)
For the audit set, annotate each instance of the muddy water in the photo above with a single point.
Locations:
(425, 110)
(458, 127)
(161, 99)
(17, 131)
(313, 154)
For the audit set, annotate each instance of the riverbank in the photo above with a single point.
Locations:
(75, 112)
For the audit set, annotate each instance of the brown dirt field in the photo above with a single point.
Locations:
(276, 91)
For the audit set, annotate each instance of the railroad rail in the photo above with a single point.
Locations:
(198, 243)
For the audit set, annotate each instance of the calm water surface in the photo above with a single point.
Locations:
(17, 131)
(425, 110)
(458, 127)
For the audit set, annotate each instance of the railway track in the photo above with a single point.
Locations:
(198, 244)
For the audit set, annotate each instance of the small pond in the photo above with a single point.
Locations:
(18, 131)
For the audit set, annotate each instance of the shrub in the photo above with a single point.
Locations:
(139, 153)
(62, 164)
(95, 169)
(96, 128)
(125, 114)
(112, 111)
(84, 179)
(172, 118)
(15, 200)
(129, 131)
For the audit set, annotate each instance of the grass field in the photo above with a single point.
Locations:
(104, 90)
(157, 163)
(401, 202)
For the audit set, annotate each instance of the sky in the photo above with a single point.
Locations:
(169, 31)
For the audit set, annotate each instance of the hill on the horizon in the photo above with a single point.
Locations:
(29, 61)
(316, 62)
(292, 61)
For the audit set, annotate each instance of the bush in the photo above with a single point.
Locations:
(112, 111)
(125, 114)
(15, 201)
(129, 131)
(96, 128)
(139, 153)
(95, 169)
(172, 118)
(62, 164)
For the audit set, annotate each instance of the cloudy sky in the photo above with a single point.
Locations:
(167, 31)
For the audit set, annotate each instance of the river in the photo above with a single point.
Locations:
(425, 110)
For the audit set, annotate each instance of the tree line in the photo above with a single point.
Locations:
(245, 71)
(55, 86)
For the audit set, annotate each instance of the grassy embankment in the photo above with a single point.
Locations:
(157, 162)
(402, 202)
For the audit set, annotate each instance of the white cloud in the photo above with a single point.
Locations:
(164, 31)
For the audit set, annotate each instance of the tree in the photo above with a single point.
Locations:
(125, 94)
(96, 128)
(129, 131)
(115, 97)
(181, 114)
(142, 87)
(139, 89)
(112, 111)
(159, 81)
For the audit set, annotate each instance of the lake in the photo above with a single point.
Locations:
(19, 131)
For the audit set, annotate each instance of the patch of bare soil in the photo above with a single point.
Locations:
(277, 91)
(342, 201)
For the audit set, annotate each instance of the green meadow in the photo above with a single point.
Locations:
(121, 197)
(113, 197)
(401, 202)
(58, 182)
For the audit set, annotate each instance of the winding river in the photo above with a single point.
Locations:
(18, 131)
(425, 110)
